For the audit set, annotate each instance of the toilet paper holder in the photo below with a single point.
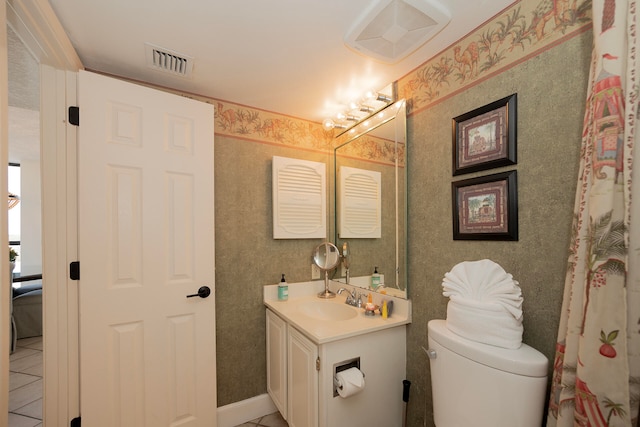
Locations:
(343, 366)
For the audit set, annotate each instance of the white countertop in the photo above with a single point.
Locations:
(324, 331)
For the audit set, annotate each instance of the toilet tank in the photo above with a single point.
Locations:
(475, 384)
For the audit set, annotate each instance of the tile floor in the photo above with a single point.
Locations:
(25, 389)
(25, 384)
(271, 420)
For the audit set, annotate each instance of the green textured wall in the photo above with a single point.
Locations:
(551, 90)
(247, 258)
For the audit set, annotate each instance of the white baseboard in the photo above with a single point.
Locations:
(246, 410)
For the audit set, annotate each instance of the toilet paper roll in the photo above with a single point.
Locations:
(350, 382)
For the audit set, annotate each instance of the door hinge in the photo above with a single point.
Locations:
(318, 363)
(74, 270)
(74, 115)
(75, 422)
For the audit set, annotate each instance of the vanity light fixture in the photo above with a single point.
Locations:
(329, 124)
(357, 106)
(349, 117)
(366, 109)
(374, 120)
(376, 96)
(358, 111)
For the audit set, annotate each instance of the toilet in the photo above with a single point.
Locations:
(481, 385)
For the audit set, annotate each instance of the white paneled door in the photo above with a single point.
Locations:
(146, 242)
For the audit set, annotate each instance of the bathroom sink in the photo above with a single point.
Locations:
(327, 310)
(328, 320)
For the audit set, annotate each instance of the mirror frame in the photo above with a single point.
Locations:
(322, 259)
(398, 116)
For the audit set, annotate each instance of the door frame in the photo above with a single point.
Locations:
(39, 29)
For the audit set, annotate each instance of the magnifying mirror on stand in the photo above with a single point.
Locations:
(327, 257)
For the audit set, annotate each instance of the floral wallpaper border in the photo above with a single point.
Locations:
(521, 31)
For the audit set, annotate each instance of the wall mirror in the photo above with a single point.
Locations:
(378, 150)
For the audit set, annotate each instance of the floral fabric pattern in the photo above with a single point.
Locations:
(596, 379)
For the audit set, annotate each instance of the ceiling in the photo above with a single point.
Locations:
(285, 56)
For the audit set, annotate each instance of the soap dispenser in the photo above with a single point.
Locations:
(375, 279)
(283, 290)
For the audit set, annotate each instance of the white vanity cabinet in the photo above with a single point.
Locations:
(277, 361)
(302, 380)
(307, 368)
(292, 377)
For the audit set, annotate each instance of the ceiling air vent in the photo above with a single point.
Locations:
(392, 29)
(168, 61)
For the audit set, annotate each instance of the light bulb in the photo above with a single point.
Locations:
(328, 124)
(372, 95)
(343, 116)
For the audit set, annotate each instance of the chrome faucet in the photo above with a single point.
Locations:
(353, 298)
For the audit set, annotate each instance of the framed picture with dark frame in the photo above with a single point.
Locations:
(485, 138)
(486, 207)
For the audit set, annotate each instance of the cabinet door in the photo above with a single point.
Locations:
(302, 381)
(277, 361)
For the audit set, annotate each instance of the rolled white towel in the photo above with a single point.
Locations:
(484, 322)
(485, 303)
(479, 278)
(505, 287)
(505, 308)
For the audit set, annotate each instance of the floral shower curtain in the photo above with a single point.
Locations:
(596, 378)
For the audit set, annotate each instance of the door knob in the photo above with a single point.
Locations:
(203, 292)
